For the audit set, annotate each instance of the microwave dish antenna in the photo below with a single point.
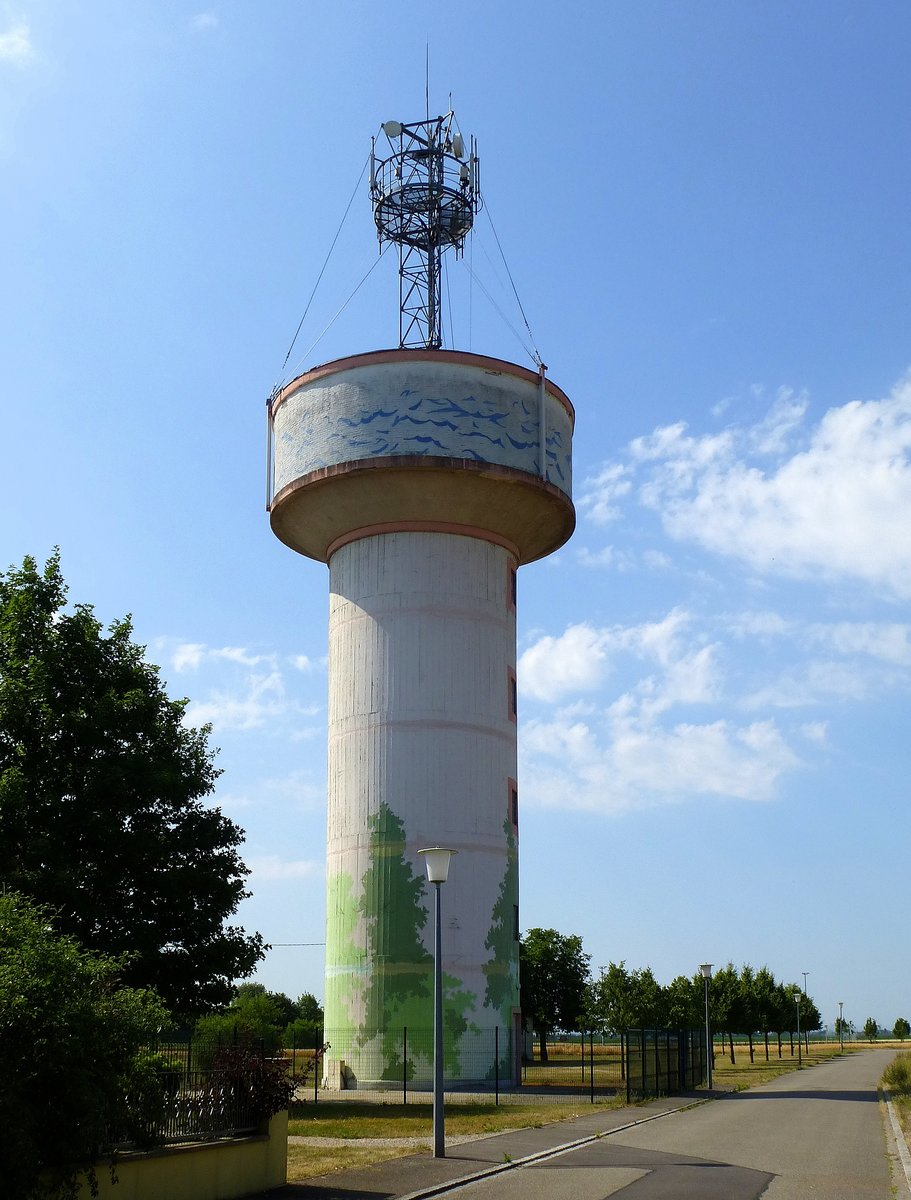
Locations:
(425, 193)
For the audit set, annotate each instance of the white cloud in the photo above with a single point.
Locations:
(269, 868)
(16, 45)
(237, 654)
(580, 658)
(188, 656)
(302, 662)
(635, 764)
(202, 21)
(815, 731)
(834, 504)
(575, 661)
(262, 700)
(600, 493)
(889, 642)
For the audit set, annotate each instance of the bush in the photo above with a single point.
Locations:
(897, 1076)
(70, 1054)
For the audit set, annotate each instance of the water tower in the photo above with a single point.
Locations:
(424, 478)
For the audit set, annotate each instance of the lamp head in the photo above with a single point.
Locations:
(436, 860)
(706, 970)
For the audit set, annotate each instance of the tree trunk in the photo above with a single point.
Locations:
(750, 1036)
(766, 1036)
(731, 1040)
(779, 1043)
(791, 1038)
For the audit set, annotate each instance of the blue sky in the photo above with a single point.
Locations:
(704, 209)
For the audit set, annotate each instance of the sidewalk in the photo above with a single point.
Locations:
(421, 1175)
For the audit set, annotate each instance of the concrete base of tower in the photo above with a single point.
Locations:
(422, 751)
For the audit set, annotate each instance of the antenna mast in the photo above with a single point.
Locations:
(425, 195)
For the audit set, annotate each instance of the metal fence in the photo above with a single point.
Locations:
(662, 1061)
(193, 1090)
(398, 1062)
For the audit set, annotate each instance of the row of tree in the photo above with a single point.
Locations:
(558, 992)
(273, 1017)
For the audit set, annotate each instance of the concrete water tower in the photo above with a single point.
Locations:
(424, 478)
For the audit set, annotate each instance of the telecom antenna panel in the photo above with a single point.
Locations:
(425, 195)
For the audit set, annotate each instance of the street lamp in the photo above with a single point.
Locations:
(807, 1034)
(841, 1024)
(797, 1002)
(436, 860)
(706, 970)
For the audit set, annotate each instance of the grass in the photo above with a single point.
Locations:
(354, 1120)
(357, 1120)
(745, 1074)
(306, 1162)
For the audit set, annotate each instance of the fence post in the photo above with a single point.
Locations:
(643, 1063)
(591, 1062)
(624, 1065)
(496, 1063)
(316, 1064)
(404, 1064)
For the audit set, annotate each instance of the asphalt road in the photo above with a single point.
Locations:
(816, 1135)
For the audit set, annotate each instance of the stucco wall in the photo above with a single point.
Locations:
(224, 1170)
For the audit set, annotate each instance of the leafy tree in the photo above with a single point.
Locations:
(101, 799)
(254, 1012)
(553, 974)
(764, 1003)
(684, 1001)
(306, 1029)
(843, 1027)
(871, 1029)
(610, 1000)
(726, 1004)
(70, 1039)
(901, 1029)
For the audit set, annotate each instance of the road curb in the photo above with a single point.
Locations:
(438, 1189)
(901, 1145)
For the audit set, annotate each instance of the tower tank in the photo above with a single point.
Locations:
(424, 478)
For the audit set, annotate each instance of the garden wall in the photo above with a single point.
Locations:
(221, 1170)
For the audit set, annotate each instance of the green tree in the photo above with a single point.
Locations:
(553, 975)
(254, 1012)
(726, 1004)
(901, 1029)
(843, 1027)
(101, 799)
(684, 1003)
(764, 1001)
(871, 1029)
(306, 1029)
(70, 1052)
(610, 1003)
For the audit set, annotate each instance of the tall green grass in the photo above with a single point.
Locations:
(897, 1076)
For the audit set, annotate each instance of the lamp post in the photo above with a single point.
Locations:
(436, 860)
(797, 1002)
(806, 1027)
(706, 970)
(841, 1025)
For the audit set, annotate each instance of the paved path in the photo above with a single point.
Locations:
(813, 1135)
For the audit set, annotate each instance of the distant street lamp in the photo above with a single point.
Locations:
(799, 1054)
(706, 970)
(841, 1024)
(436, 860)
(807, 1032)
